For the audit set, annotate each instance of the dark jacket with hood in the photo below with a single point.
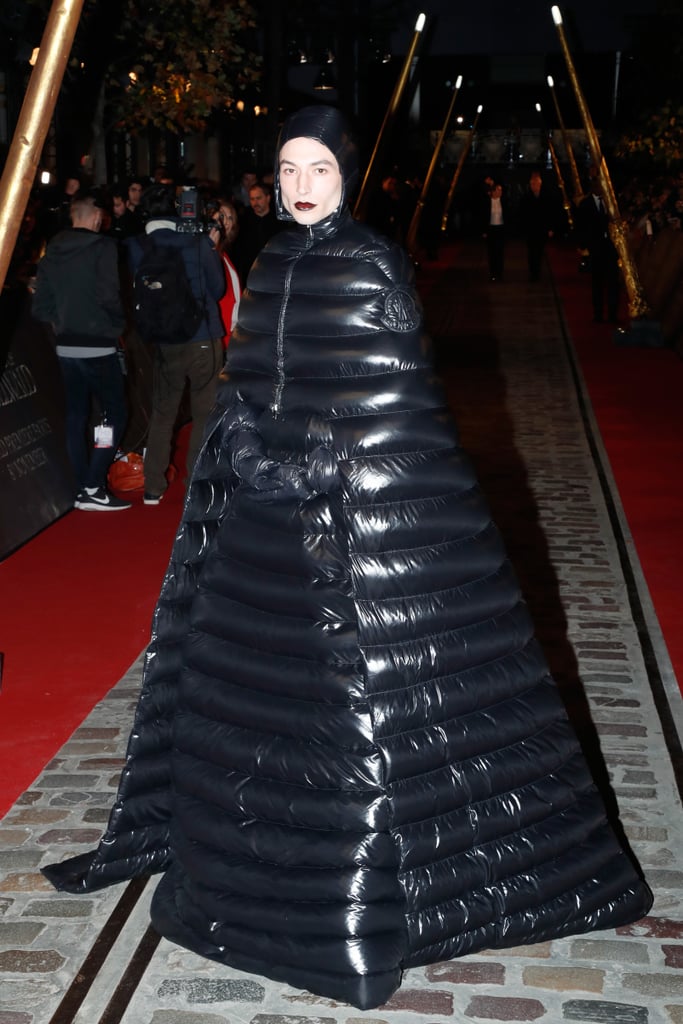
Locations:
(349, 757)
(78, 290)
(203, 267)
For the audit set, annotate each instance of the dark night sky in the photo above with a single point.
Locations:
(512, 27)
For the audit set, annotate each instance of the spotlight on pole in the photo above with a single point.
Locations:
(411, 235)
(576, 177)
(458, 169)
(367, 185)
(548, 139)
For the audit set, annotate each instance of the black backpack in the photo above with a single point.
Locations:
(164, 306)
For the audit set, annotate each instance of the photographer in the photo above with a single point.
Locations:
(197, 360)
(223, 230)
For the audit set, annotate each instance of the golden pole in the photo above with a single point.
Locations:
(360, 209)
(560, 181)
(33, 123)
(576, 177)
(558, 174)
(411, 237)
(458, 169)
(637, 304)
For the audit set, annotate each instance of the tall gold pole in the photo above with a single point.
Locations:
(33, 123)
(369, 181)
(567, 206)
(560, 181)
(576, 177)
(637, 304)
(411, 236)
(458, 170)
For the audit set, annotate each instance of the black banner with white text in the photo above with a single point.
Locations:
(36, 483)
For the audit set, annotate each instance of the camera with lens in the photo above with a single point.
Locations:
(193, 218)
(214, 218)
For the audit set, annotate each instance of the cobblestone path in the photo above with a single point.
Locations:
(510, 374)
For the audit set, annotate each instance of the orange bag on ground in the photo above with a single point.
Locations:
(126, 473)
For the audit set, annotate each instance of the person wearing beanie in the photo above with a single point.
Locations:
(349, 758)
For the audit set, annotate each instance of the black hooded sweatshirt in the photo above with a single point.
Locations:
(78, 289)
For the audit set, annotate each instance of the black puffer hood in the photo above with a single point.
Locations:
(329, 126)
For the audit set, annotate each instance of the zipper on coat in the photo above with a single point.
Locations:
(276, 404)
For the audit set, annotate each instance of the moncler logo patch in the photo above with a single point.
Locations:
(400, 311)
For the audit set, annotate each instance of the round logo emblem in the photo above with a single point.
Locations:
(400, 311)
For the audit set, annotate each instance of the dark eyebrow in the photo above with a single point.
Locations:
(314, 163)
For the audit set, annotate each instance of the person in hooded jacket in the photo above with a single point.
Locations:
(348, 757)
(78, 292)
(190, 366)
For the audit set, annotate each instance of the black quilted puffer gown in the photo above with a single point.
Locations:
(348, 756)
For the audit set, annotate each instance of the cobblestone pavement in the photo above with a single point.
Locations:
(508, 365)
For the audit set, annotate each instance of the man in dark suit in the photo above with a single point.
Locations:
(592, 224)
(257, 226)
(537, 222)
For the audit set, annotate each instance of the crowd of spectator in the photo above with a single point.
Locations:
(48, 209)
(79, 247)
(651, 203)
(239, 220)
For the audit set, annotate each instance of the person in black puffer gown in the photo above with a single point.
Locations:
(348, 757)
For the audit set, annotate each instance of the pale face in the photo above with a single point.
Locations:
(134, 193)
(226, 217)
(310, 180)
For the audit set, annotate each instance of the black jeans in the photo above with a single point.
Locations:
(98, 378)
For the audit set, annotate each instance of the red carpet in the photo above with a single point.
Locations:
(76, 601)
(636, 398)
(75, 604)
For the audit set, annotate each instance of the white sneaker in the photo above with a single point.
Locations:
(99, 499)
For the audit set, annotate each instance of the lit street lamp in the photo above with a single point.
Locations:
(360, 209)
(558, 173)
(411, 237)
(576, 177)
(458, 169)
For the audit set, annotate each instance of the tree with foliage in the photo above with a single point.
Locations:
(658, 140)
(178, 61)
(182, 66)
(136, 65)
(167, 64)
